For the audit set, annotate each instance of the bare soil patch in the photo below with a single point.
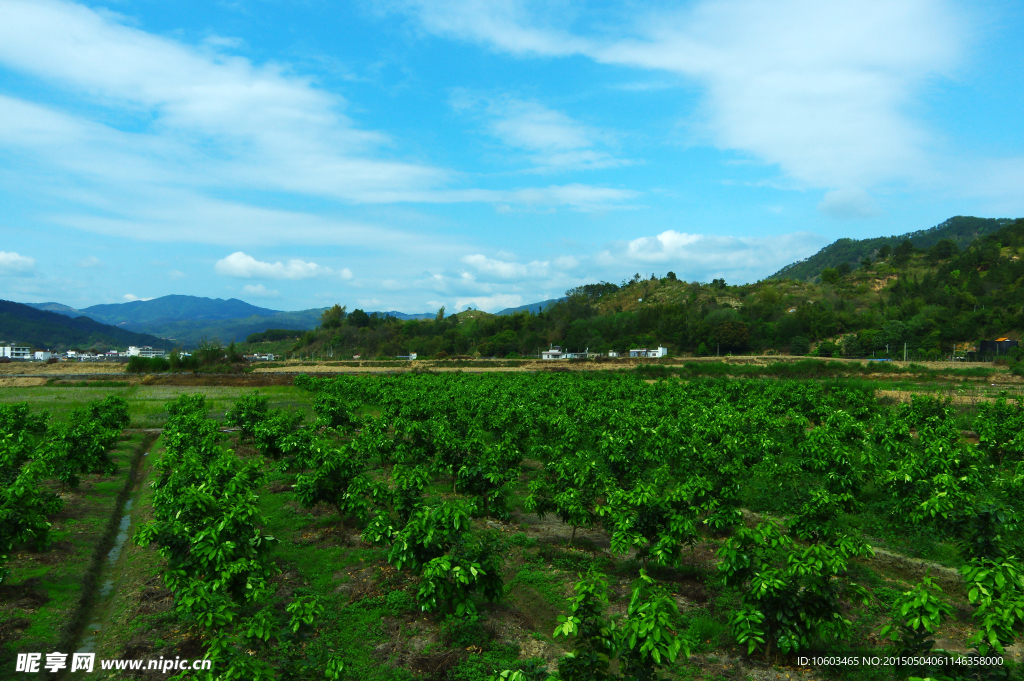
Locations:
(240, 380)
(61, 368)
(21, 382)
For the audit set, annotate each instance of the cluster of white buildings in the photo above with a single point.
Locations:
(556, 352)
(28, 354)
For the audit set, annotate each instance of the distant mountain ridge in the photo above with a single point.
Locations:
(175, 307)
(962, 230)
(405, 316)
(59, 308)
(533, 308)
(184, 320)
(28, 325)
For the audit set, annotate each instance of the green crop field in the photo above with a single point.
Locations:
(571, 526)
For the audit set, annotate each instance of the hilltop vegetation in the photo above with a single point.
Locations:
(961, 230)
(928, 299)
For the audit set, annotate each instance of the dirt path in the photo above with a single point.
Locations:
(904, 396)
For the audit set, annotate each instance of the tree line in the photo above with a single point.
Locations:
(927, 299)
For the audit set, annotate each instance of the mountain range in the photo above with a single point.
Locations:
(185, 320)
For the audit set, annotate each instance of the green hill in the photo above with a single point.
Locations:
(56, 307)
(960, 230)
(168, 308)
(926, 301)
(185, 320)
(43, 329)
(188, 332)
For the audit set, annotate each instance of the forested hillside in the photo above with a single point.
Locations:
(929, 299)
(42, 329)
(961, 230)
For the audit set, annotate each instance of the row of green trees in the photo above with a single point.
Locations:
(661, 467)
(219, 561)
(33, 451)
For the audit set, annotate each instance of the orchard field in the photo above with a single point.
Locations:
(604, 525)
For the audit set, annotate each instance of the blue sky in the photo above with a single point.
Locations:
(410, 154)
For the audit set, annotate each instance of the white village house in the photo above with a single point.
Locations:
(144, 351)
(16, 351)
(644, 352)
(556, 352)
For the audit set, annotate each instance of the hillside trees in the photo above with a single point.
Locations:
(956, 293)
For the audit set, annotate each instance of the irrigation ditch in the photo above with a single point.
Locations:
(94, 591)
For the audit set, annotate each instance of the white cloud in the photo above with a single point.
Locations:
(494, 303)
(505, 269)
(345, 273)
(13, 264)
(90, 261)
(260, 291)
(701, 257)
(175, 275)
(848, 203)
(131, 297)
(245, 266)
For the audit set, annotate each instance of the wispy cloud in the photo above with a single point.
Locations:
(265, 127)
(90, 262)
(131, 298)
(820, 90)
(552, 140)
(198, 121)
